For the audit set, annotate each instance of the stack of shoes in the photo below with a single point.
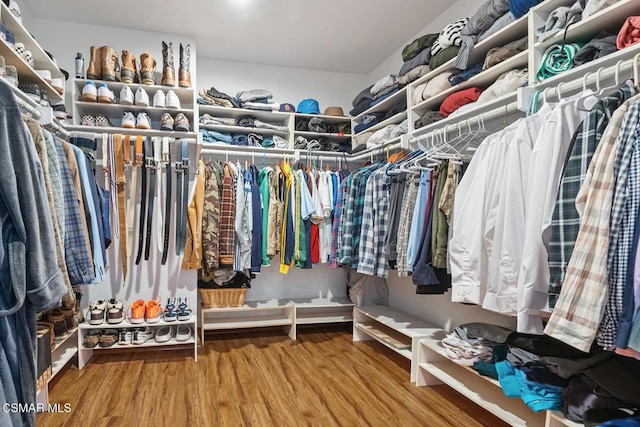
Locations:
(103, 64)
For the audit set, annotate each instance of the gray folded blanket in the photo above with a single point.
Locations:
(254, 94)
(422, 58)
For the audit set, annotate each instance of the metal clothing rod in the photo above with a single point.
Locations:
(372, 151)
(296, 154)
(58, 129)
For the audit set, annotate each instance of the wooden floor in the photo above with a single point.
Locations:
(259, 378)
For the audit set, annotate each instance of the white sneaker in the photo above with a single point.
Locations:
(142, 99)
(90, 92)
(159, 99)
(128, 120)
(183, 333)
(143, 122)
(105, 95)
(126, 96)
(141, 336)
(172, 100)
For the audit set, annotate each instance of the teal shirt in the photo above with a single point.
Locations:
(263, 178)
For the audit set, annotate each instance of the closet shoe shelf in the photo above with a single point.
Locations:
(185, 95)
(127, 324)
(125, 131)
(150, 343)
(155, 113)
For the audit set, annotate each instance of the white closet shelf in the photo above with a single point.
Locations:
(514, 31)
(59, 342)
(26, 74)
(273, 304)
(242, 129)
(404, 323)
(172, 342)
(384, 105)
(252, 321)
(127, 324)
(393, 120)
(556, 419)
(549, 6)
(322, 317)
(275, 117)
(222, 147)
(62, 356)
(591, 67)
(325, 117)
(483, 80)
(124, 131)
(610, 18)
(185, 95)
(321, 302)
(85, 107)
(41, 60)
(323, 310)
(309, 134)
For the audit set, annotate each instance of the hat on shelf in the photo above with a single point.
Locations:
(14, 8)
(287, 108)
(309, 106)
(334, 111)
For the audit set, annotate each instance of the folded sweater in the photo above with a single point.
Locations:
(411, 50)
(383, 84)
(458, 99)
(629, 33)
(422, 58)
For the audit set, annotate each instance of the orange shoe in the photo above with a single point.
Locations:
(137, 312)
(153, 311)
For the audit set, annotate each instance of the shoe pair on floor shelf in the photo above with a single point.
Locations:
(136, 336)
(142, 121)
(103, 64)
(140, 311)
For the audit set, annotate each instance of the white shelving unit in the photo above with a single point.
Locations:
(396, 330)
(42, 61)
(64, 350)
(84, 353)
(252, 314)
(322, 310)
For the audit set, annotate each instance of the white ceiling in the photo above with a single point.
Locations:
(350, 36)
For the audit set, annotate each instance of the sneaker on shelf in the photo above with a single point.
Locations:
(164, 333)
(105, 95)
(126, 337)
(103, 121)
(108, 338)
(32, 91)
(126, 95)
(58, 85)
(115, 311)
(141, 336)
(153, 311)
(12, 75)
(184, 311)
(143, 121)
(181, 123)
(92, 338)
(60, 111)
(95, 316)
(171, 310)
(172, 99)
(10, 39)
(159, 100)
(28, 58)
(183, 333)
(166, 123)
(90, 92)
(44, 75)
(136, 313)
(88, 120)
(128, 120)
(142, 98)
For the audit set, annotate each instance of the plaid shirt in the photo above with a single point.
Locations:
(406, 217)
(580, 306)
(336, 235)
(358, 212)
(78, 259)
(227, 219)
(348, 232)
(626, 201)
(211, 221)
(566, 221)
(375, 216)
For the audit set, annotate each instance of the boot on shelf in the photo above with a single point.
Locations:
(94, 70)
(110, 64)
(147, 69)
(184, 76)
(77, 312)
(168, 69)
(129, 73)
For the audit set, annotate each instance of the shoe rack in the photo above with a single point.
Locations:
(41, 60)
(114, 111)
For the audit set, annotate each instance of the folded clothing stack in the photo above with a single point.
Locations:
(215, 97)
(458, 99)
(224, 278)
(369, 120)
(207, 119)
(387, 133)
(508, 82)
(258, 99)
(629, 33)
(475, 342)
(563, 16)
(416, 56)
(213, 137)
(499, 54)
(362, 101)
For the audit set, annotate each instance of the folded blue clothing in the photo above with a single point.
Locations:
(383, 97)
(465, 75)
(364, 126)
(240, 139)
(216, 136)
(268, 143)
(539, 397)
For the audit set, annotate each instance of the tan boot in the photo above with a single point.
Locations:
(94, 70)
(110, 64)
(129, 70)
(168, 70)
(184, 76)
(147, 69)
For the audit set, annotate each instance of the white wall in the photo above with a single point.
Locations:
(287, 84)
(392, 64)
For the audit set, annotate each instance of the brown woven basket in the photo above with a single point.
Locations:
(217, 298)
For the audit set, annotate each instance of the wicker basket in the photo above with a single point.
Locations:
(216, 298)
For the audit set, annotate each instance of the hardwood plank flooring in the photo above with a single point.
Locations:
(259, 378)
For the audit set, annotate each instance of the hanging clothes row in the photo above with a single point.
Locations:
(242, 217)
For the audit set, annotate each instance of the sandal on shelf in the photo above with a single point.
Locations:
(109, 338)
(92, 338)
